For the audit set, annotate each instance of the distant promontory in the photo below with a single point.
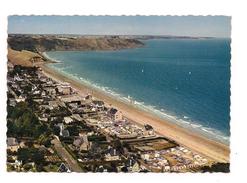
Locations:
(42, 43)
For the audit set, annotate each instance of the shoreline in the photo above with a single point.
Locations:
(207, 132)
(215, 150)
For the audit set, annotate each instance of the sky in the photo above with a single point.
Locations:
(211, 26)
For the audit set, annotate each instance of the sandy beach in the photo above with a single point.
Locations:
(202, 145)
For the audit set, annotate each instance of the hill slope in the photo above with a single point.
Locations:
(41, 43)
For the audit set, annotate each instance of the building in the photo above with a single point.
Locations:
(63, 168)
(77, 117)
(12, 144)
(115, 114)
(36, 59)
(12, 102)
(64, 90)
(99, 104)
(81, 143)
(50, 90)
(21, 98)
(10, 66)
(145, 157)
(68, 120)
(88, 98)
(109, 157)
(136, 167)
(71, 99)
(65, 133)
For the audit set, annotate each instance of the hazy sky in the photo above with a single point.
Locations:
(214, 26)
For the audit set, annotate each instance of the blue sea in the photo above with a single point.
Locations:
(186, 81)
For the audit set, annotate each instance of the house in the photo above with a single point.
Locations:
(99, 104)
(145, 157)
(71, 99)
(149, 131)
(45, 107)
(136, 167)
(36, 59)
(108, 157)
(127, 136)
(115, 114)
(148, 127)
(12, 144)
(17, 164)
(50, 90)
(72, 107)
(43, 93)
(77, 117)
(112, 154)
(88, 98)
(64, 133)
(38, 100)
(12, 102)
(21, 98)
(64, 89)
(10, 66)
(36, 92)
(81, 143)
(43, 119)
(68, 120)
(53, 104)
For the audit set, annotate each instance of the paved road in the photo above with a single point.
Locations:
(62, 152)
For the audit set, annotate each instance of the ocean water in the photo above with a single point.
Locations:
(184, 81)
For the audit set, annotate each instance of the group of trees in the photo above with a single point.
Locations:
(22, 122)
(27, 155)
(218, 167)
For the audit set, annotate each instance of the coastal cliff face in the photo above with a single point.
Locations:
(41, 43)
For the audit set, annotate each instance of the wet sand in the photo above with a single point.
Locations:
(202, 145)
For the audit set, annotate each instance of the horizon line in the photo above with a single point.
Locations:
(77, 34)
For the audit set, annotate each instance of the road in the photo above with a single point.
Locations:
(64, 154)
